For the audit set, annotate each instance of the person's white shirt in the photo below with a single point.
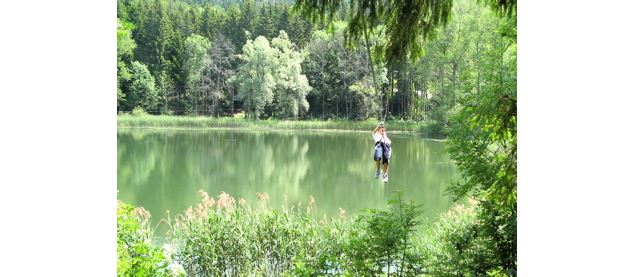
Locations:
(379, 137)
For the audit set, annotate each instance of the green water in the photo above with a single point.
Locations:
(163, 169)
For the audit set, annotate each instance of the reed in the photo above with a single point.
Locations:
(222, 236)
(172, 121)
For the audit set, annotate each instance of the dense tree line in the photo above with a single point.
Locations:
(190, 50)
(189, 57)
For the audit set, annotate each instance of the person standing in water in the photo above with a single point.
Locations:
(382, 150)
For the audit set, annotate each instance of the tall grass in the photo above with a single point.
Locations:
(225, 237)
(171, 121)
(222, 237)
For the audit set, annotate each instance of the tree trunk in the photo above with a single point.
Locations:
(402, 88)
(454, 70)
(323, 105)
(346, 101)
(425, 96)
(442, 76)
(233, 89)
(502, 61)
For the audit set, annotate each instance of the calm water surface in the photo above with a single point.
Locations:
(163, 169)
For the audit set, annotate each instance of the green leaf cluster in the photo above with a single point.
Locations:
(136, 255)
(271, 75)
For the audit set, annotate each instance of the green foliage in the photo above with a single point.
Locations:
(291, 85)
(407, 24)
(483, 139)
(196, 47)
(271, 76)
(366, 98)
(222, 237)
(125, 51)
(474, 240)
(506, 8)
(426, 80)
(139, 111)
(136, 255)
(445, 245)
(381, 241)
(483, 143)
(165, 90)
(341, 78)
(125, 42)
(255, 77)
(141, 89)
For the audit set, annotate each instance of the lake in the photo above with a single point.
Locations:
(162, 169)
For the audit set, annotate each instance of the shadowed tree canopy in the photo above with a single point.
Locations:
(506, 8)
(406, 23)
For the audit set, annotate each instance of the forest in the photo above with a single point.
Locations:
(269, 60)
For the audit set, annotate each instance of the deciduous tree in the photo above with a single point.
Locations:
(255, 77)
(291, 85)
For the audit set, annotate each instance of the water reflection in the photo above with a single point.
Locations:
(162, 169)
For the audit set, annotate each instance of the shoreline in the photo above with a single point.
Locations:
(202, 123)
(277, 130)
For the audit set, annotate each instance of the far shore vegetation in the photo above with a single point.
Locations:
(138, 118)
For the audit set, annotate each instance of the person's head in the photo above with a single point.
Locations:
(382, 129)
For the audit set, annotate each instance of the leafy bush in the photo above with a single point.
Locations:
(136, 255)
(381, 243)
(139, 111)
(474, 240)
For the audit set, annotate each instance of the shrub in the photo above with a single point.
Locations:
(474, 240)
(136, 255)
(139, 111)
(380, 241)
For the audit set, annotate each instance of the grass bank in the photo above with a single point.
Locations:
(171, 121)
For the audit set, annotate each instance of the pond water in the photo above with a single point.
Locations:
(163, 169)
